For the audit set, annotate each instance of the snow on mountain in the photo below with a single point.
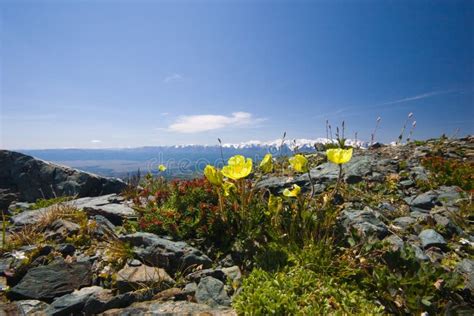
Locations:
(301, 143)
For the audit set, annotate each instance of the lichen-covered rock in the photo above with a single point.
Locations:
(133, 278)
(404, 222)
(211, 291)
(23, 307)
(60, 229)
(365, 222)
(466, 269)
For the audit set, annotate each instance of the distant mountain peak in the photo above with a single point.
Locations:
(302, 143)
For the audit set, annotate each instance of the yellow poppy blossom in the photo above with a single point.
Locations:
(162, 168)
(299, 163)
(267, 163)
(213, 175)
(238, 167)
(228, 187)
(292, 193)
(339, 156)
(275, 204)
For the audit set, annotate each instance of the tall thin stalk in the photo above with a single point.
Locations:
(281, 147)
(377, 123)
(222, 153)
(311, 182)
(400, 137)
(338, 183)
(412, 129)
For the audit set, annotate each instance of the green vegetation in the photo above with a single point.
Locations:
(42, 203)
(300, 291)
(450, 172)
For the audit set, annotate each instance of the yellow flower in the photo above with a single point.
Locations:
(339, 156)
(275, 204)
(228, 187)
(267, 163)
(299, 163)
(162, 168)
(238, 167)
(213, 175)
(294, 192)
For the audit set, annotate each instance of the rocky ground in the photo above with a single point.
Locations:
(79, 256)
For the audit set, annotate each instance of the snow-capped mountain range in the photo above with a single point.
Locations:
(300, 143)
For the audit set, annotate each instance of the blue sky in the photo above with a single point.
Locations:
(133, 73)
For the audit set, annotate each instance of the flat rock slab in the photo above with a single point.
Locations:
(56, 279)
(164, 253)
(365, 222)
(133, 278)
(444, 195)
(111, 206)
(181, 308)
(74, 302)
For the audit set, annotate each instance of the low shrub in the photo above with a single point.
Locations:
(450, 172)
(298, 290)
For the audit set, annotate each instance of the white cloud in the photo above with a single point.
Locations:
(96, 141)
(173, 78)
(202, 123)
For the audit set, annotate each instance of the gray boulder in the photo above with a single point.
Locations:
(365, 222)
(404, 222)
(53, 280)
(210, 291)
(32, 179)
(429, 238)
(6, 198)
(444, 195)
(72, 303)
(425, 201)
(165, 253)
(113, 207)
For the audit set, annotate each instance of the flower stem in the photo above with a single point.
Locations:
(311, 183)
(339, 179)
